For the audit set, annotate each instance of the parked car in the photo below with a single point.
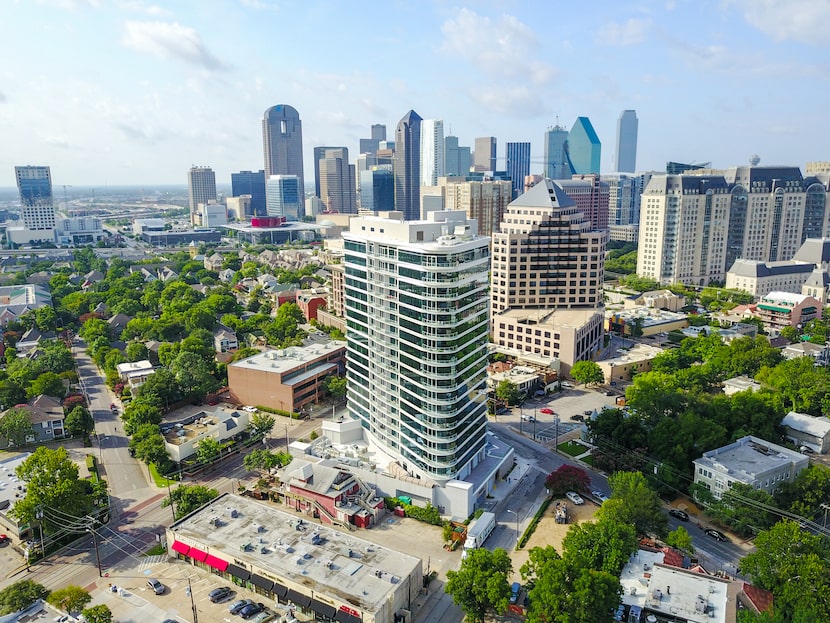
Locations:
(717, 534)
(250, 610)
(158, 587)
(578, 417)
(574, 497)
(514, 592)
(546, 411)
(4, 539)
(264, 617)
(528, 418)
(236, 606)
(599, 495)
(220, 594)
(679, 514)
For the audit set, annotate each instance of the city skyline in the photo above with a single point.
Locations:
(132, 93)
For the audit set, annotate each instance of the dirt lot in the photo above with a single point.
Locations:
(548, 532)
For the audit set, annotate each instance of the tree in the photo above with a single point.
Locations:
(261, 461)
(20, 595)
(262, 423)
(11, 393)
(79, 422)
(187, 498)
(481, 584)
(602, 545)
(16, 425)
(679, 538)
(336, 386)
(148, 444)
(47, 384)
(567, 478)
(136, 351)
(98, 614)
(69, 598)
(163, 385)
(507, 391)
(141, 411)
(633, 501)
(208, 449)
(52, 480)
(193, 375)
(738, 509)
(587, 372)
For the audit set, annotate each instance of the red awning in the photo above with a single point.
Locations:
(180, 547)
(197, 554)
(216, 563)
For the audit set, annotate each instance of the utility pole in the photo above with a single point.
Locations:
(91, 528)
(192, 603)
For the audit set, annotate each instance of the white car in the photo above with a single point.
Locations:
(574, 497)
(599, 495)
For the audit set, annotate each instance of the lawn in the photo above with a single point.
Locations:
(160, 480)
(572, 448)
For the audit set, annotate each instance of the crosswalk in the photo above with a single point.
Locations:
(148, 562)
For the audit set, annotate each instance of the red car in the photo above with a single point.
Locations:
(4, 539)
(546, 411)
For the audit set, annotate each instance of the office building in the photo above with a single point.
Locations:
(694, 227)
(484, 156)
(284, 197)
(250, 183)
(482, 201)
(557, 166)
(377, 189)
(517, 163)
(239, 208)
(210, 215)
(547, 278)
(416, 310)
(432, 151)
(201, 187)
(318, 154)
(591, 195)
(584, 147)
(34, 184)
(407, 166)
(335, 178)
(456, 158)
(625, 158)
(624, 193)
(678, 168)
(370, 145)
(282, 136)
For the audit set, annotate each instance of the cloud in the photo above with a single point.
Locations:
(630, 32)
(170, 40)
(520, 101)
(71, 5)
(803, 21)
(260, 5)
(2, 97)
(140, 7)
(57, 141)
(498, 47)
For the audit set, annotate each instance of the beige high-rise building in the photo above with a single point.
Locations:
(548, 265)
(486, 202)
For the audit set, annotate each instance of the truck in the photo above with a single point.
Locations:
(478, 531)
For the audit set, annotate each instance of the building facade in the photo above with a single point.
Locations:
(557, 166)
(417, 322)
(591, 196)
(517, 163)
(37, 208)
(584, 147)
(432, 151)
(457, 159)
(484, 155)
(336, 180)
(485, 202)
(625, 158)
(785, 309)
(282, 136)
(250, 183)
(377, 189)
(284, 197)
(407, 166)
(201, 187)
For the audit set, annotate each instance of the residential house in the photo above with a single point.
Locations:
(165, 274)
(30, 340)
(309, 301)
(224, 339)
(214, 262)
(227, 275)
(740, 384)
(808, 431)
(134, 373)
(46, 416)
(819, 352)
(657, 299)
(118, 323)
(786, 309)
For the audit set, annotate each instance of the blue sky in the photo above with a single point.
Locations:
(130, 92)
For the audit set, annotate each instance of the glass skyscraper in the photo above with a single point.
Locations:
(432, 151)
(35, 186)
(517, 159)
(282, 135)
(377, 189)
(284, 197)
(407, 167)
(625, 159)
(556, 157)
(584, 147)
(250, 183)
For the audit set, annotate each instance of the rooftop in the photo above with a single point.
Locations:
(11, 487)
(649, 315)
(784, 297)
(285, 359)
(335, 563)
(750, 456)
(639, 352)
(816, 426)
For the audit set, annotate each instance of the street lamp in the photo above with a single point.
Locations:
(517, 524)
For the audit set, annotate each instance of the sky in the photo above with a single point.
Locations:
(126, 92)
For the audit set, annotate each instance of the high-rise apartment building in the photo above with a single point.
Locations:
(407, 166)
(624, 193)
(584, 147)
(377, 189)
(34, 183)
(250, 183)
(370, 145)
(456, 158)
(416, 312)
(201, 187)
(282, 136)
(336, 179)
(432, 151)
(625, 158)
(517, 161)
(284, 197)
(557, 166)
(590, 195)
(693, 227)
(484, 156)
(482, 201)
(547, 278)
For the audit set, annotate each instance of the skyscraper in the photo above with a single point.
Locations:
(417, 351)
(483, 201)
(517, 161)
(284, 197)
(201, 187)
(584, 147)
(484, 157)
(35, 186)
(456, 158)
(591, 196)
(556, 156)
(282, 136)
(407, 166)
(250, 183)
(370, 145)
(337, 180)
(625, 160)
(377, 189)
(432, 151)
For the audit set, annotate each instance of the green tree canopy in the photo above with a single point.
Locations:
(634, 502)
(260, 461)
(137, 351)
(602, 545)
(16, 425)
(20, 595)
(679, 538)
(507, 391)
(79, 422)
(98, 614)
(481, 585)
(208, 449)
(262, 423)
(587, 372)
(148, 444)
(70, 599)
(187, 498)
(47, 384)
